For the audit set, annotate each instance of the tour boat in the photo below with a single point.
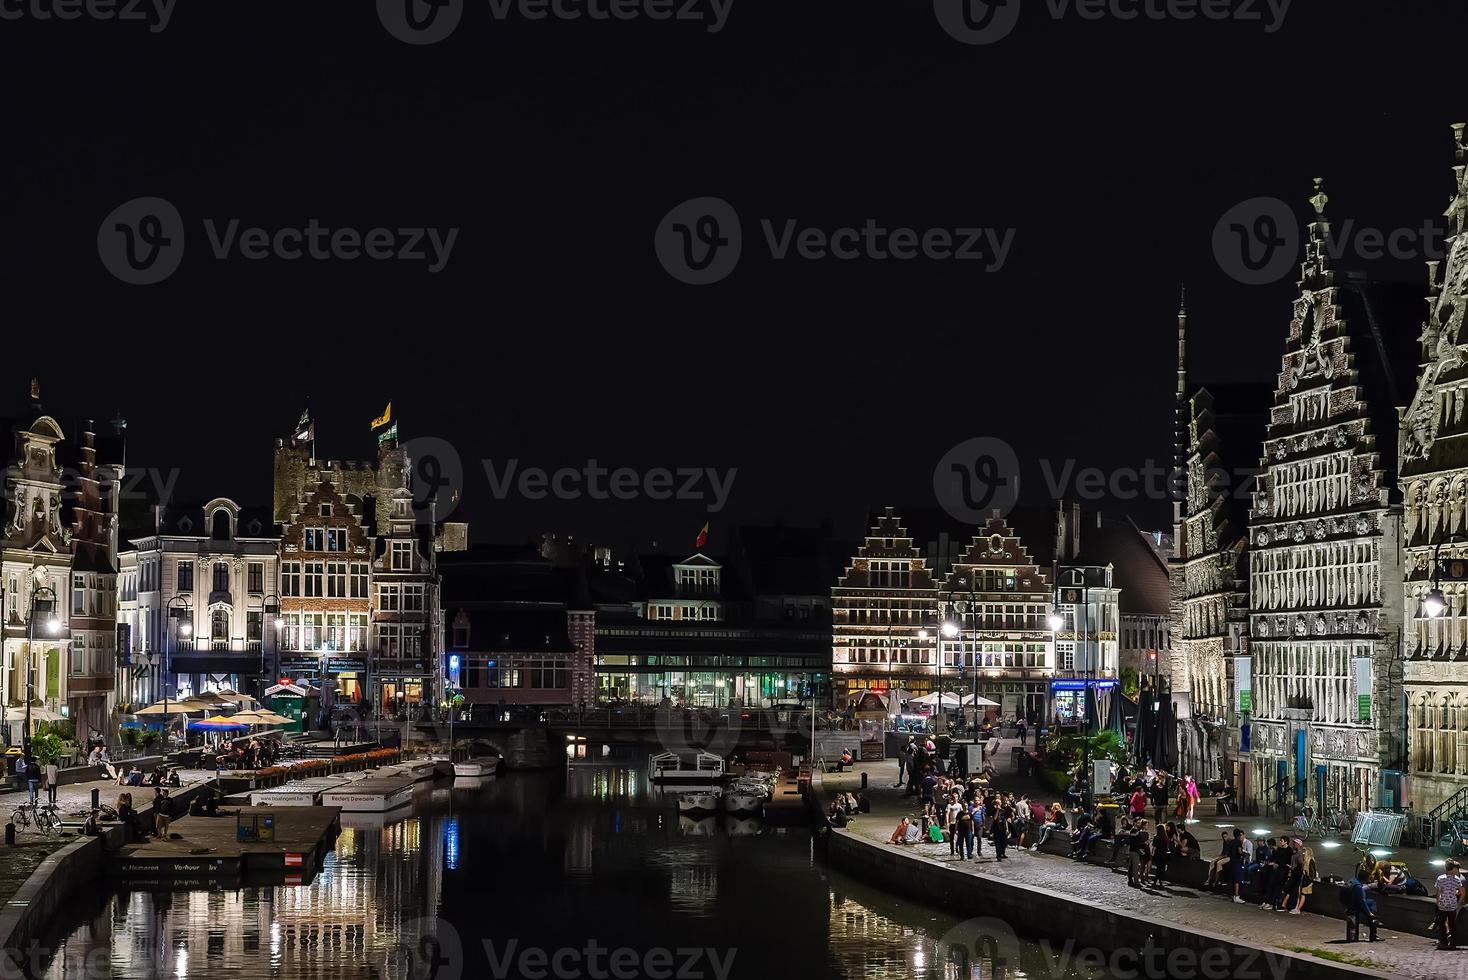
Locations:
(745, 796)
(301, 792)
(699, 801)
(371, 795)
(479, 766)
(675, 767)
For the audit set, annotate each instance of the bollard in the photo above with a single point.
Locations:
(863, 779)
(96, 798)
(10, 835)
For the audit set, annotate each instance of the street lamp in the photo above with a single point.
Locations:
(950, 630)
(1435, 603)
(972, 610)
(184, 616)
(39, 606)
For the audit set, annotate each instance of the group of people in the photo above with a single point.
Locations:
(253, 753)
(847, 805)
(964, 815)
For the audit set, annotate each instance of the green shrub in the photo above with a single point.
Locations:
(48, 748)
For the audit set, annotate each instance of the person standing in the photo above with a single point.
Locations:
(966, 834)
(1020, 730)
(1449, 901)
(1001, 833)
(32, 776)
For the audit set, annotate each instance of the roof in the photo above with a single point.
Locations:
(509, 628)
(1138, 570)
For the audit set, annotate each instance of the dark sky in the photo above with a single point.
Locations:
(553, 335)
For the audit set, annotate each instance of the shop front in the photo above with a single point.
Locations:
(404, 688)
(706, 688)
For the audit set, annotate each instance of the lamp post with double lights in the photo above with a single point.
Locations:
(970, 611)
(270, 607)
(39, 607)
(950, 630)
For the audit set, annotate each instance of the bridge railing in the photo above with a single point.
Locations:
(752, 719)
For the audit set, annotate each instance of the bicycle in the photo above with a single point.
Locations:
(43, 816)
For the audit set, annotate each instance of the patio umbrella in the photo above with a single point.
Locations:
(974, 700)
(186, 706)
(39, 713)
(218, 724)
(1093, 718)
(231, 696)
(1116, 712)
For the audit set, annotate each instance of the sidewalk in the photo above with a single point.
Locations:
(1399, 953)
(75, 801)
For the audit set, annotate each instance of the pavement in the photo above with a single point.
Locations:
(1399, 953)
(75, 800)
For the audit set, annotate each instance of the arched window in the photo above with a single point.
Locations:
(221, 525)
(219, 623)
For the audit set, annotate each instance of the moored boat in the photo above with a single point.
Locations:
(371, 795)
(699, 801)
(685, 767)
(478, 767)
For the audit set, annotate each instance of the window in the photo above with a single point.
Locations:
(255, 577)
(324, 510)
(219, 623)
(336, 631)
(359, 580)
(412, 640)
(388, 598)
(78, 653)
(357, 632)
(412, 598)
(461, 637)
(315, 539)
(78, 595)
(254, 626)
(290, 578)
(387, 639)
(315, 573)
(336, 539)
(185, 576)
(221, 576)
(336, 579)
(402, 555)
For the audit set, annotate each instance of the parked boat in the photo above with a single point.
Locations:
(699, 801)
(372, 795)
(685, 767)
(745, 796)
(478, 767)
(417, 770)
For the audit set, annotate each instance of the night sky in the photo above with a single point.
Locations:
(553, 334)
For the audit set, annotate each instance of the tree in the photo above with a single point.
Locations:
(48, 748)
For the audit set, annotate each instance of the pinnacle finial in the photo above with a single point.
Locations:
(1319, 200)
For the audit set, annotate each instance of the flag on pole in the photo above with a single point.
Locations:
(703, 536)
(384, 418)
(305, 428)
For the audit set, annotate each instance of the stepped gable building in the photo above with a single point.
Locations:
(359, 578)
(59, 533)
(1326, 548)
(1434, 481)
(1000, 596)
(1214, 460)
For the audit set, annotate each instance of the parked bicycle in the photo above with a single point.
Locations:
(42, 816)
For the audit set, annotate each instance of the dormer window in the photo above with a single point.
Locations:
(221, 529)
(324, 511)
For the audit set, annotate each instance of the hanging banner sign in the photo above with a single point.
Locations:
(1244, 685)
(1361, 670)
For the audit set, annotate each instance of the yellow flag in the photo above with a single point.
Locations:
(384, 418)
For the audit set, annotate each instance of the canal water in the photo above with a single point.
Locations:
(585, 874)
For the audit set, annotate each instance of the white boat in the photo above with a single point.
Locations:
(479, 766)
(699, 801)
(676, 767)
(371, 795)
(301, 792)
(745, 799)
(417, 770)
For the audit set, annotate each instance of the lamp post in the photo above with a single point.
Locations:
(972, 611)
(270, 607)
(184, 616)
(1435, 603)
(950, 630)
(39, 606)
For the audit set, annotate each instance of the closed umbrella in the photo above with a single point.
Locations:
(1115, 715)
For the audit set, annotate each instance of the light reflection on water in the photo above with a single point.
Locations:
(543, 860)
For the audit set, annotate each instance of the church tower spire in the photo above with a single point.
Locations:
(1180, 435)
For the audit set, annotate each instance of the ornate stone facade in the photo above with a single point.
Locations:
(1210, 574)
(1325, 552)
(1434, 475)
(880, 608)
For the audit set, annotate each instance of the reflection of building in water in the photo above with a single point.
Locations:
(867, 944)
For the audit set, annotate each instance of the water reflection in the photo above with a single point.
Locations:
(547, 861)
